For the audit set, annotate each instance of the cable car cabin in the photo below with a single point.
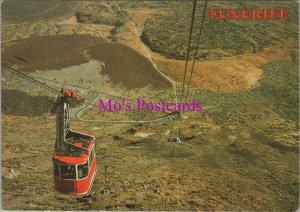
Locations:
(75, 170)
(74, 157)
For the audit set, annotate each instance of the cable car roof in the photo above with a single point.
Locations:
(74, 157)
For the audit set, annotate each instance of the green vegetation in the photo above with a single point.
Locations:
(167, 33)
(280, 87)
(21, 11)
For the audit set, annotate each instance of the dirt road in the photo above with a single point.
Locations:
(138, 32)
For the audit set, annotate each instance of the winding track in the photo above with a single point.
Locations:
(148, 53)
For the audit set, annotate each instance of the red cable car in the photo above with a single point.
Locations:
(74, 156)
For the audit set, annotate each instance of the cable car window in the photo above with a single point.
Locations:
(56, 169)
(67, 172)
(83, 170)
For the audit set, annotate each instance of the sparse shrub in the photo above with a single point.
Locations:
(119, 23)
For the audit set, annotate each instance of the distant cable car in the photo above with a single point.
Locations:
(74, 157)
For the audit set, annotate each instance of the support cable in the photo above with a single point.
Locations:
(188, 49)
(197, 47)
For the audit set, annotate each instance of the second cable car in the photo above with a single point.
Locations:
(74, 156)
